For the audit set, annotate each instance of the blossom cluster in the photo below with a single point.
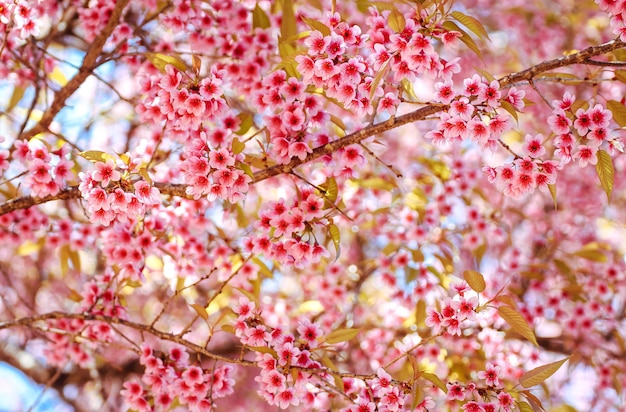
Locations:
(181, 102)
(472, 113)
(278, 386)
(72, 338)
(617, 10)
(111, 196)
(452, 315)
(332, 61)
(591, 126)
(48, 170)
(169, 377)
(209, 168)
(24, 17)
(469, 395)
(286, 230)
(292, 113)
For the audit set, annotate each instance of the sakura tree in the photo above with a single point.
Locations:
(313, 205)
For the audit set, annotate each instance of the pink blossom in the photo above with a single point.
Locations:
(146, 194)
(105, 173)
(585, 155)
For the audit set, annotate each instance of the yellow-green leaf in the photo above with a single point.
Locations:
(465, 38)
(29, 247)
(619, 112)
(420, 312)
(246, 169)
(552, 188)
(326, 361)
(317, 25)
(592, 255)
(246, 123)
(620, 75)
(18, 93)
(517, 323)
(332, 190)
(338, 122)
(377, 183)
(431, 377)
(96, 156)
(143, 172)
(340, 335)
(259, 18)
(288, 24)
(485, 74)
(237, 146)
(605, 171)
(525, 407)
(335, 235)
(509, 108)
(160, 61)
(58, 77)
(74, 296)
(471, 23)
(538, 375)
(396, 21)
(379, 76)
(264, 349)
(200, 310)
(475, 280)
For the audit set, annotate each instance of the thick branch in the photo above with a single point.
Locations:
(89, 64)
(582, 57)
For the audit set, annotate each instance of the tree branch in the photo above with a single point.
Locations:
(174, 189)
(28, 321)
(90, 62)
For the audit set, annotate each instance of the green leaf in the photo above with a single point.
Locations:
(334, 233)
(288, 24)
(340, 335)
(431, 377)
(619, 112)
(259, 18)
(538, 375)
(160, 61)
(605, 171)
(475, 280)
(18, 93)
(517, 323)
(317, 25)
(471, 23)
